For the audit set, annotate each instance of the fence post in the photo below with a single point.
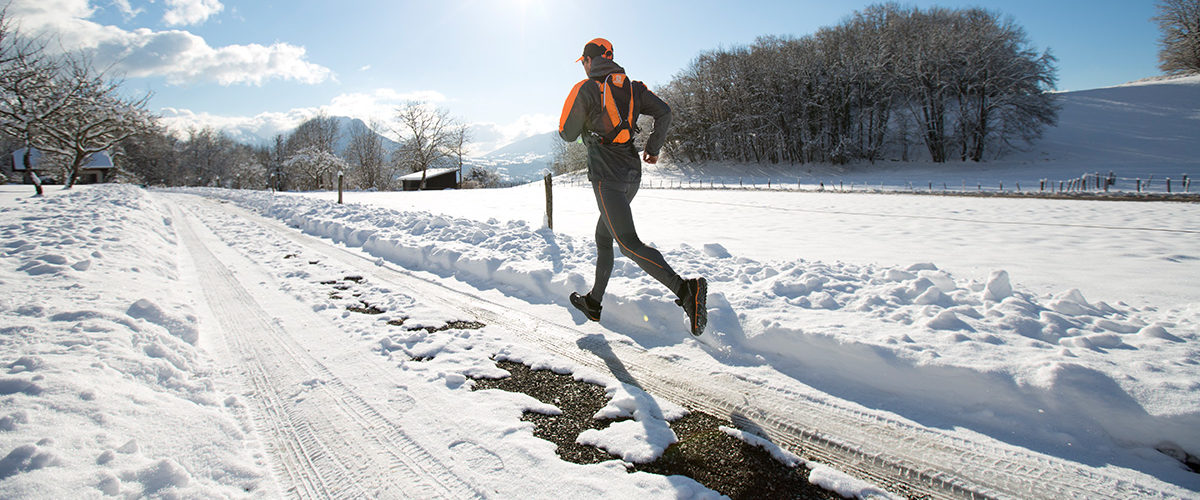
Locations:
(1168, 185)
(549, 202)
(339, 187)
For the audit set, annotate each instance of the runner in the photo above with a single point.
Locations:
(603, 109)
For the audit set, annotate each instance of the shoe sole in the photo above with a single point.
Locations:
(701, 307)
(576, 300)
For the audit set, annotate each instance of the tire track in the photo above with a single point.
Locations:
(902, 456)
(332, 443)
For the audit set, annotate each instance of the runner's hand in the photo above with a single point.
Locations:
(649, 158)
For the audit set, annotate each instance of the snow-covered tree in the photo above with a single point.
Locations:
(955, 80)
(29, 93)
(480, 178)
(1179, 21)
(313, 168)
(151, 157)
(95, 117)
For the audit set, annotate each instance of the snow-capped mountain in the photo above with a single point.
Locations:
(522, 161)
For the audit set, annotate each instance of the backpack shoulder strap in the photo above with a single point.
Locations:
(623, 123)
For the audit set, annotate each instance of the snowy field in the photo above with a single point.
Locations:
(130, 322)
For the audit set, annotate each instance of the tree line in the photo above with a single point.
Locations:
(889, 82)
(311, 157)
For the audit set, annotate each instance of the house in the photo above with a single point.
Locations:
(435, 178)
(98, 168)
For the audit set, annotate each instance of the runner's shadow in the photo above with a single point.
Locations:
(652, 418)
(598, 345)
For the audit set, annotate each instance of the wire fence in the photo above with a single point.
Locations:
(1086, 185)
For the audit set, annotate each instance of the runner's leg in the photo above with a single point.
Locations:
(604, 260)
(613, 200)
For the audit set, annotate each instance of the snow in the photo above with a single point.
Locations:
(1065, 327)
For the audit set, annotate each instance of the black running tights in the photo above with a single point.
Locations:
(616, 222)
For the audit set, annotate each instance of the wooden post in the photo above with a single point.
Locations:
(339, 187)
(549, 203)
(1168, 185)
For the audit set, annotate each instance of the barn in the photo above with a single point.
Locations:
(98, 168)
(435, 178)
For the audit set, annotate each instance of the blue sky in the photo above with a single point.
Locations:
(503, 66)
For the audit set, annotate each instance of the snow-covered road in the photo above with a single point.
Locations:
(346, 437)
(238, 343)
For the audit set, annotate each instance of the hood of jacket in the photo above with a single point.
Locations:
(602, 67)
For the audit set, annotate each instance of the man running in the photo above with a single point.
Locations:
(604, 109)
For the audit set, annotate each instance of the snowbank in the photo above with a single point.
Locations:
(105, 391)
(1055, 372)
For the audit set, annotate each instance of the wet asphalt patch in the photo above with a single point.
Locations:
(704, 453)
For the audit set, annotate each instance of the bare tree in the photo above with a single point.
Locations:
(460, 138)
(205, 158)
(367, 159)
(151, 156)
(955, 80)
(319, 132)
(430, 137)
(29, 92)
(568, 157)
(1179, 21)
(95, 117)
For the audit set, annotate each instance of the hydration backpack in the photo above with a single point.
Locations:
(616, 97)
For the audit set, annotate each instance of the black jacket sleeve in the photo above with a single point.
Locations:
(574, 114)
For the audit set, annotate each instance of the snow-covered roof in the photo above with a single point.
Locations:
(100, 160)
(433, 172)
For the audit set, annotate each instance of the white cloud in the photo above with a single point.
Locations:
(126, 9)
(378, 106)
(187, 12)
(178, 56)
(248, 129)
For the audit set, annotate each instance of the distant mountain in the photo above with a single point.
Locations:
(538, 145)
(523, 161)
(348, 127)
